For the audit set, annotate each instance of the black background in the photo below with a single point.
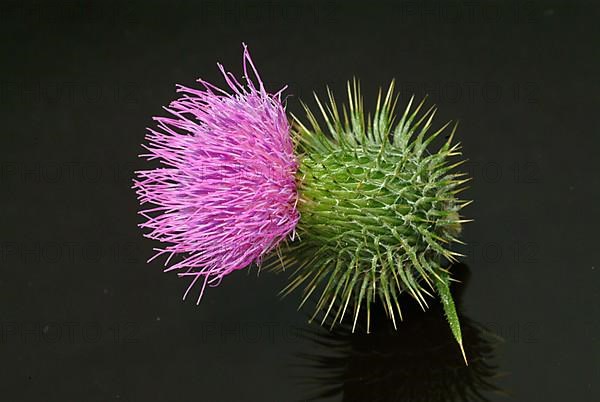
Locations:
(84, 318)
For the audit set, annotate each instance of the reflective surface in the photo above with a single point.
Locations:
(84, 318)
(418, 361)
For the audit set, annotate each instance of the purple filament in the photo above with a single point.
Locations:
(225, 194)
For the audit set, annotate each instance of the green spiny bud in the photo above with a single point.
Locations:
(379, 208)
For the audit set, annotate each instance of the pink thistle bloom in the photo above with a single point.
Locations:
(226, 194)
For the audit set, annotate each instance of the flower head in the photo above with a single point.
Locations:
(225, 194)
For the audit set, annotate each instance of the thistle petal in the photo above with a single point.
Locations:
(225, 193)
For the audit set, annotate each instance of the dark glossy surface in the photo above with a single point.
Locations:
(84, 318)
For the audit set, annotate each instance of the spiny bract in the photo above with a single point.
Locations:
(378, 209)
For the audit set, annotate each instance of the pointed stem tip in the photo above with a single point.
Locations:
(462, 349)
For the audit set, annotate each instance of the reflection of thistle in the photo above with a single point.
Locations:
(417, 362)
(378, 209)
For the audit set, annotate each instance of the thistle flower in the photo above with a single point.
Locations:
(379, 209)
(225, 194)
